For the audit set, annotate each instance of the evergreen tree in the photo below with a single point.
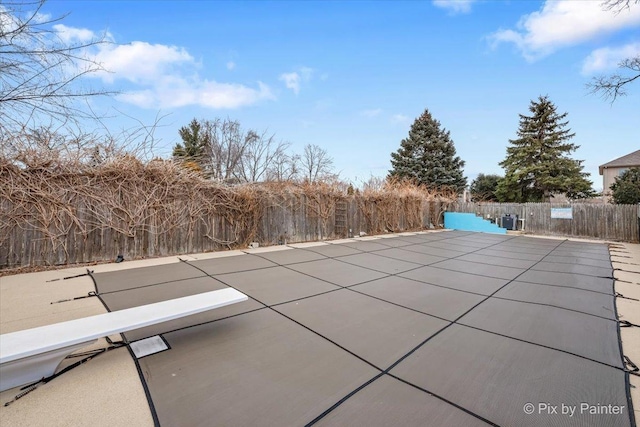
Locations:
(483, 188)
(538, 163)
(193, 143)
(428, 156)
(626, 188)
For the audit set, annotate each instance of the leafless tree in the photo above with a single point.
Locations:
(260, 154)
(40, 71)
(225, 144)
(316, 163)
(51, 144)
(284, 167)
(614, 85)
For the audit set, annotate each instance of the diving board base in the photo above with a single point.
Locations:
(36, 367)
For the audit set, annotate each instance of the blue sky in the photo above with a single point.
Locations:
(352, 76)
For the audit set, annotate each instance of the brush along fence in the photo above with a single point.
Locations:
(54, 215)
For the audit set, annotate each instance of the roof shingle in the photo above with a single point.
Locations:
(631, 159)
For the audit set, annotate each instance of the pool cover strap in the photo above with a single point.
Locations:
(619, 295)
(627, 324)
(87, 356)
(90, 294)
(634, 370)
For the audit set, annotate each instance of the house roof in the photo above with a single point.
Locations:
(630, 160)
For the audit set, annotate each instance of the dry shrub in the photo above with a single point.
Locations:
(55, 204)
(398, 205)
(62, 204)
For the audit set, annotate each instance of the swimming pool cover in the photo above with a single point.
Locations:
(439, 329)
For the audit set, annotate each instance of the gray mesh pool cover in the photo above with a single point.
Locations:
(437, 329)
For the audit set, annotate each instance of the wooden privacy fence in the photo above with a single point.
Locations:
(76, 229)
(596, 221)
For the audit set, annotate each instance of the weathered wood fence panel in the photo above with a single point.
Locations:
(58, 237)
(99, 235)
(596, 221)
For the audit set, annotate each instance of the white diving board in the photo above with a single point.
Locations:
(28, 356)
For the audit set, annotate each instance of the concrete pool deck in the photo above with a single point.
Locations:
(367, 285)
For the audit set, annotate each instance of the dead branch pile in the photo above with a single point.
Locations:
(56, 209)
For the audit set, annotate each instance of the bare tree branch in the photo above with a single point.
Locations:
(284, 167)
(615, 85)
(316, 163)
(40, 71)
(225, 144)
(261, 152)
(618, 6)
(610, 87)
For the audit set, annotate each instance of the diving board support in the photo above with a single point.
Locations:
(28, 356)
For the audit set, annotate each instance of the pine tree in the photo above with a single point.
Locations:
(483, 188)
(428, 156)
(193, 143)
(626, 188)
(537, 164)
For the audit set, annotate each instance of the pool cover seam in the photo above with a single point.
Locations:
(565, 286)
(497, 278)
(445, 400)
(496, 244)
(509, 255)
(377, 241)
(525, 270)
(148, 286)
(382, 239)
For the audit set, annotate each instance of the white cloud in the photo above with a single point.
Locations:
(162, 76)
(291, 81)
(371, 113)
(231, 65)
(294, 79)
(175, 93)
(73, 35)
(563, 23)
(454, 6)
(141, 62)
(399, 118)
(608, 58)
(40, 17)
